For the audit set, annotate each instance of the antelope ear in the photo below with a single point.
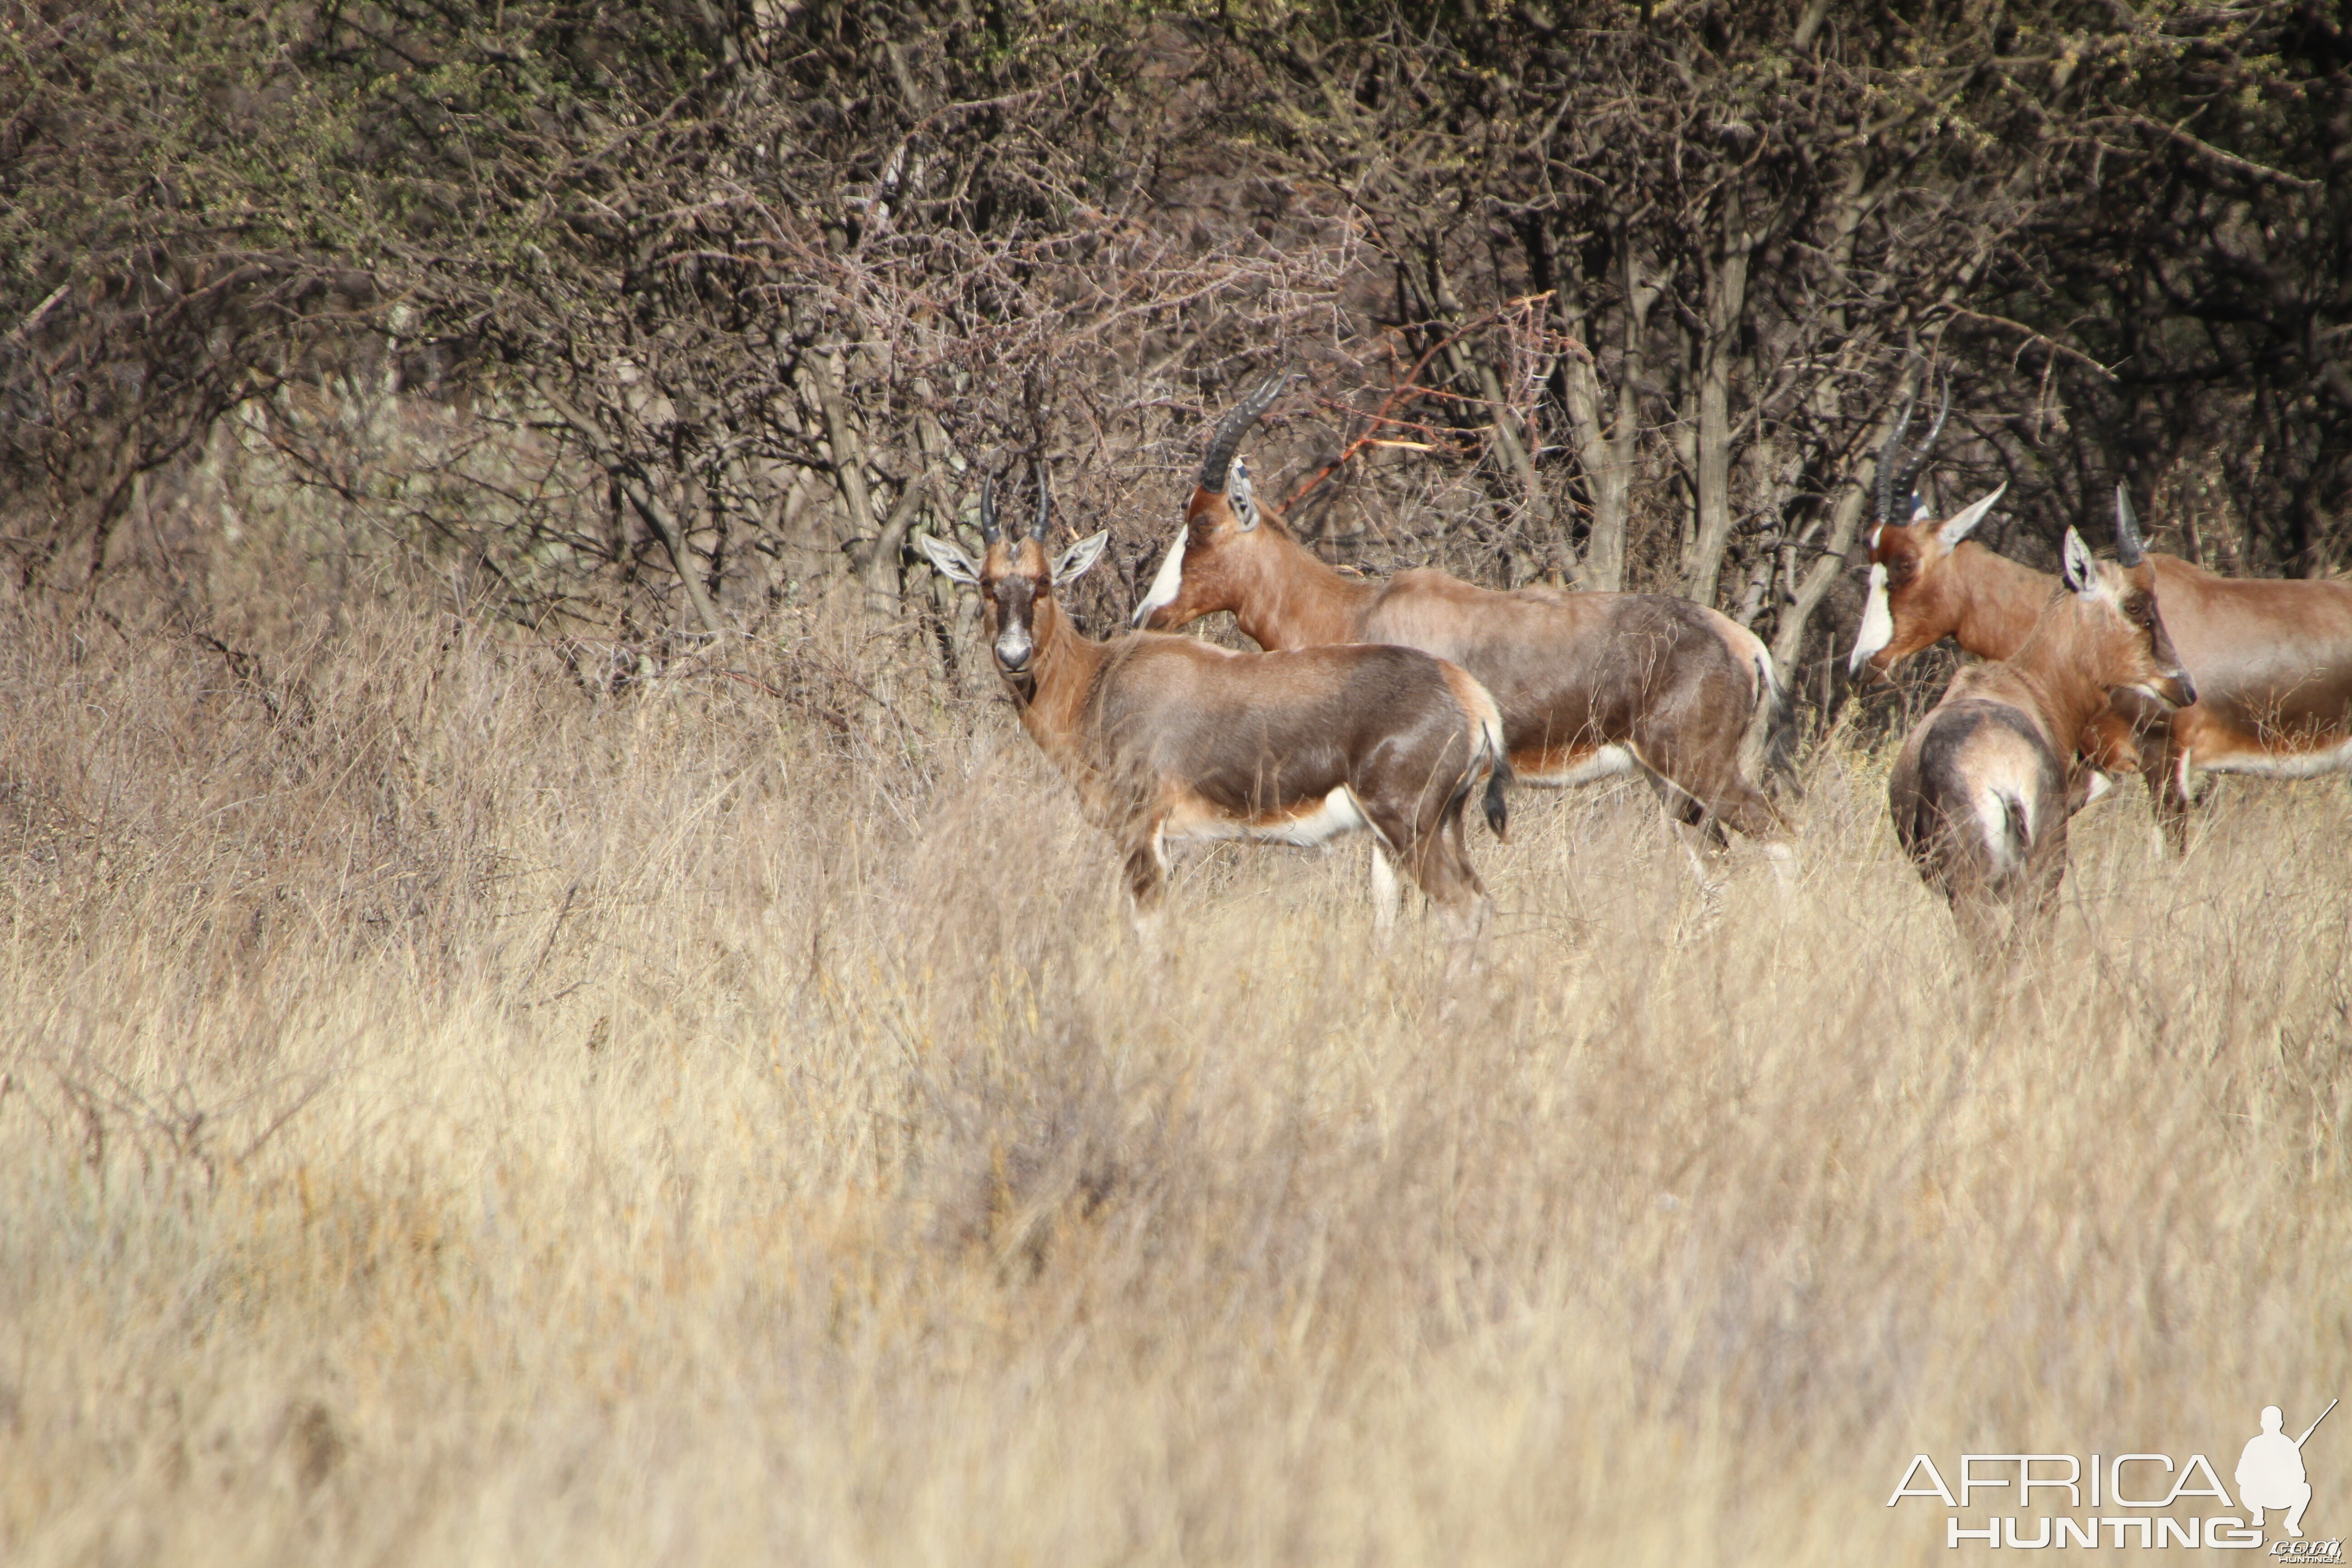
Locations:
(1964, 523)
(1078, 557)
(2082, 568)
(949, 558)
(1241, 497)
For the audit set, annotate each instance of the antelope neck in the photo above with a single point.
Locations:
(1299, 601)
(1999, 601)
(2067, 689)
(1063, 669)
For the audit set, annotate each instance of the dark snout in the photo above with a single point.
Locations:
(2172, 680)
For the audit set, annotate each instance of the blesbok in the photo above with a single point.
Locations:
(2272, 660)
(1589, 685)
(1979, 795)
(1170, 740)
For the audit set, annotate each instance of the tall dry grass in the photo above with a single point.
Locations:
(450, 1117)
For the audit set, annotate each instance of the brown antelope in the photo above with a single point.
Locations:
(1589, 685)
(1979, 795)
(2272, 660)
(1170, 740)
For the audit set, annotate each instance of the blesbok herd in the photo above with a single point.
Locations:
(1382, 707)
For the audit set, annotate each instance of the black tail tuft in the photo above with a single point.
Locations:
(1498, 810)
(2020, 835)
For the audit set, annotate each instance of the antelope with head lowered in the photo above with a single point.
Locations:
(2272, 660)
(1979, 795)
(1589, 685)
(1168, 739)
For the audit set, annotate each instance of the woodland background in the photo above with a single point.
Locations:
(634, 324)
(548, 1013)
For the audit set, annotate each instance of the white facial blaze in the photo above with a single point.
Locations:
(1168, 584)
(1877, 622)
(1012, 647)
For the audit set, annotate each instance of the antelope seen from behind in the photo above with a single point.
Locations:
(2272, 660)
(1980, 793)
(1589, 685)
(1170, 740)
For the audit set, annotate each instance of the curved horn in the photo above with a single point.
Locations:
(2128, 545)
(988, 530)
(1230, 429)
(1044, 500)
(1886, 456)
(1908, 483)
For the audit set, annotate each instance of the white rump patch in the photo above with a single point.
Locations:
(1168, 582)
(2334, 759)
(1992, 812)
(1607, 763)
(1877, 623)
(2100, 784)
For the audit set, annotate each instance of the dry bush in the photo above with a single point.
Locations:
(447, 1113)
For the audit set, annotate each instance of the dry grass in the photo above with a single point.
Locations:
(448, 1118)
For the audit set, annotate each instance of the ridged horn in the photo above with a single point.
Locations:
(988, 530)
(1886, 457)
(1230, 429)
(1890, 483)
(1044, 500)
(2128, 549)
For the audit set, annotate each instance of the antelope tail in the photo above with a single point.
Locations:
(1772, 733)
(2018, 833)
(1496, 759)
(1498, 810)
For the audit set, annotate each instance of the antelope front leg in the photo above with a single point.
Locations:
(1385, 895)
(2167, 791)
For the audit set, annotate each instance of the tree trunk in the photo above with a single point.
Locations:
(1727, 304)
(1604, 451)
(848, 456)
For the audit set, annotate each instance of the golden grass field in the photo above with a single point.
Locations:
(449, 1118)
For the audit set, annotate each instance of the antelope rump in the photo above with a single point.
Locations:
(1981, 795)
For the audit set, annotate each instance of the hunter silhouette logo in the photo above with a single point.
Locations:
(2270, 1472)
(2123, 1499)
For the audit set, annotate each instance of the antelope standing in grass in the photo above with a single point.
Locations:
(1170, 740)
(1980, 793)
(2272, 660)
(1589, 685)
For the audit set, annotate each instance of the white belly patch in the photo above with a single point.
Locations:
(2334, 759)
(1339, 813)
(1608, 761)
